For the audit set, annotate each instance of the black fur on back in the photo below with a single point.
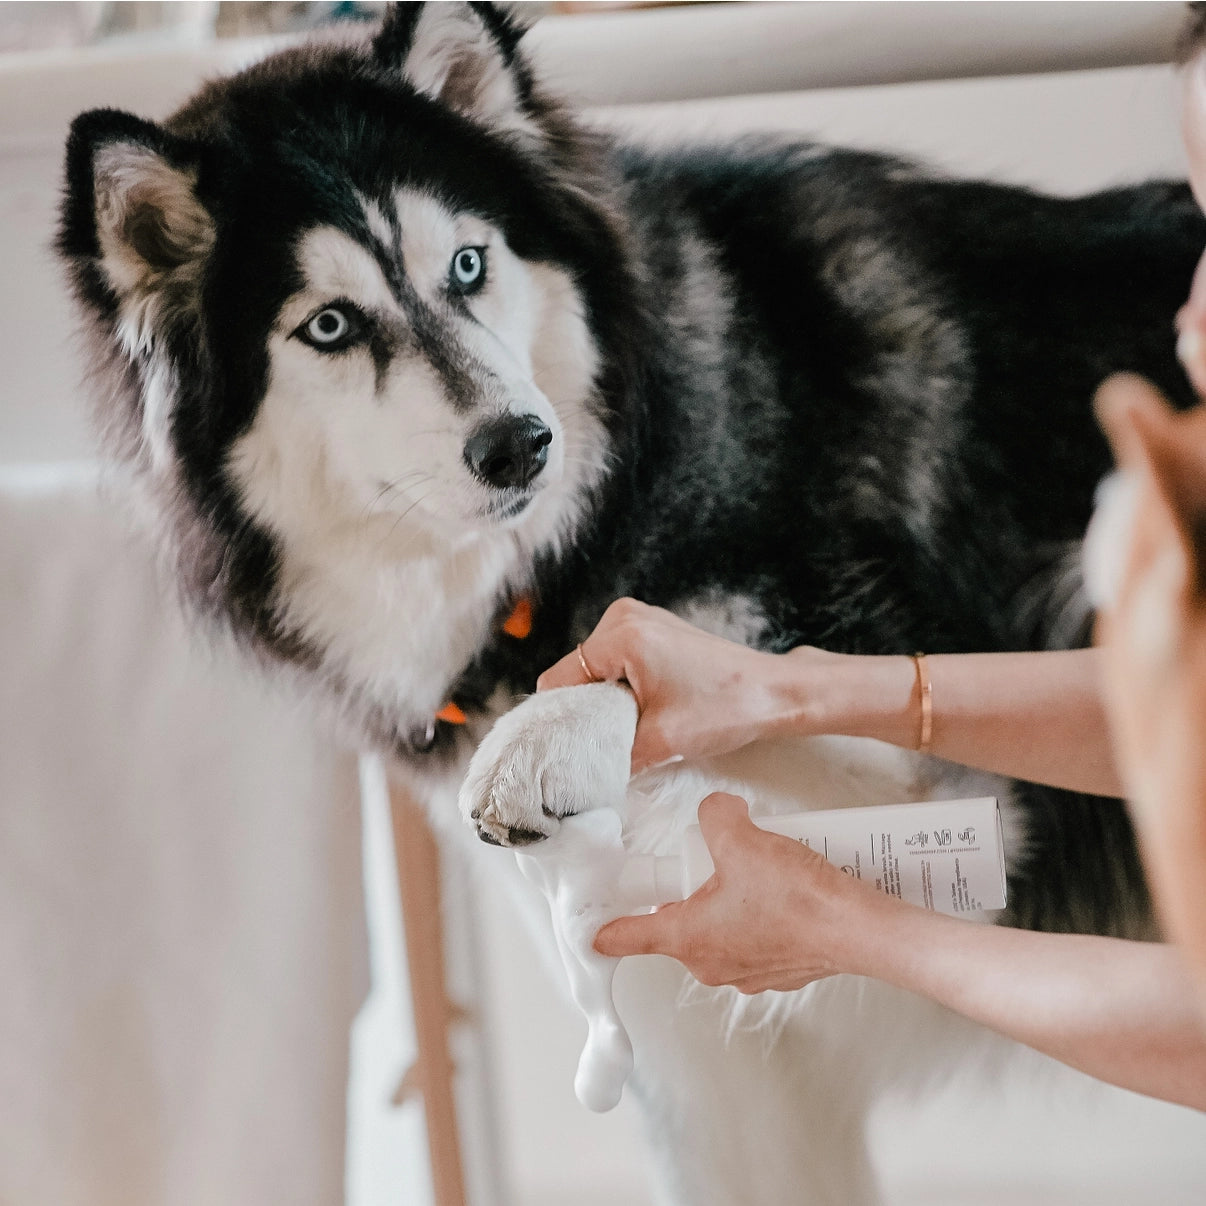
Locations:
(852, 391)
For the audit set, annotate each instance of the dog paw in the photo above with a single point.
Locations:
(558, 753)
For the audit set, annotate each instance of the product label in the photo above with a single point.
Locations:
(943, 855)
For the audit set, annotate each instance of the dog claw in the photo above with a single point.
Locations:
(525, 837)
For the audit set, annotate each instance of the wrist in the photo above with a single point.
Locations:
(850, 695)
(889, 938)
(849, 927)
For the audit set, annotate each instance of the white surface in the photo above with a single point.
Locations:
(730, 49)
(554, 1151)
(1064, 132)
(181, 929)
(671, 53)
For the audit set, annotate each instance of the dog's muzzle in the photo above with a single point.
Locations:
(508, 452)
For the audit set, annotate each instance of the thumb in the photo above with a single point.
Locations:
(722, 818)
(643, 935)
(1177, 466)
(599, 663)
(567, 672)
(1122, 403)
(1148, 436)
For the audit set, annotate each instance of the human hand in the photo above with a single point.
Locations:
(1191, 331)
(697, 694)
(775, 915)
(1154, 646)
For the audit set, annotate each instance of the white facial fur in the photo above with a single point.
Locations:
(391, 559)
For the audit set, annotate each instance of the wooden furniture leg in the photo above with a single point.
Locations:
(419, 888)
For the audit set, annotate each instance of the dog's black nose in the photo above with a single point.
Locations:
(509, 451)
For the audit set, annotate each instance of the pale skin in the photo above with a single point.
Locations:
(1128, 718)
(700, 694)
(1154, 648)
(1153, 639)
(777, 916)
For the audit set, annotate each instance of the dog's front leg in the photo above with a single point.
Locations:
(558, 753)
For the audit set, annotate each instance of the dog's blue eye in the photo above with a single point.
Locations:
(469, 269)
(333, 328)
(328, 326)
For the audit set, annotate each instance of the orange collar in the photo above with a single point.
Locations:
(518, 625)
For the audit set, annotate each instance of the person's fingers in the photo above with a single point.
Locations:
(599, 659)
(567, 672)
(782, 981)
(655, 742)
(647, 934)
(643, 759)
(1168, 450)
(603, 656)
(1175, 448)
(1122, 401)
(1191, 331)
(1176, 464)
(721, 818)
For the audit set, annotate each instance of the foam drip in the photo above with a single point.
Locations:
(577, 869)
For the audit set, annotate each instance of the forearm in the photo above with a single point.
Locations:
(776, 915)
(1124, 1012)
(1034, 716)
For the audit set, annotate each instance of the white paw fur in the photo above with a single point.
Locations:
(558, 753)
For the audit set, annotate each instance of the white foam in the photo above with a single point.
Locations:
(577, 869)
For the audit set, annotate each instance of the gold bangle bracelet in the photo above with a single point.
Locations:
(926, 690)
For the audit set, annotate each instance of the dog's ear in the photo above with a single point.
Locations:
(131, 211)
(464, 55)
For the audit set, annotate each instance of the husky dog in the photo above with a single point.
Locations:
(394, 345)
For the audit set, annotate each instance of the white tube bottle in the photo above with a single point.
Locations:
(944, 855)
